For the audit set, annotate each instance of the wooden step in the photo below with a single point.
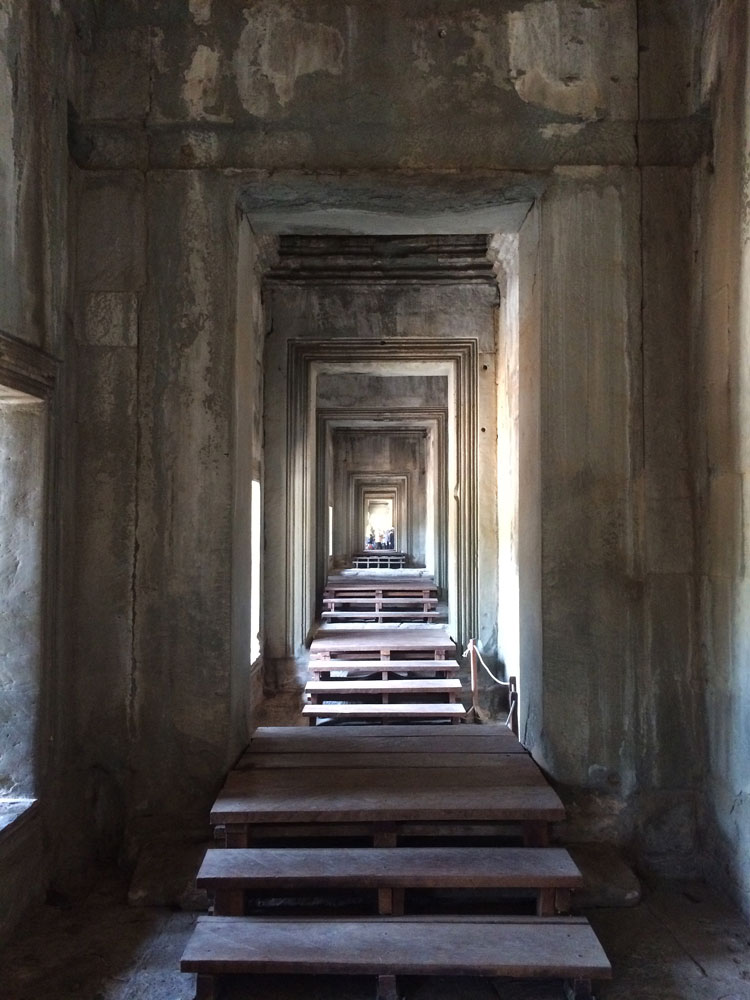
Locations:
(345, 687)
(488, 738)
(491, 770)
(317, 667)
(436, 740)
(403, 615)
(377, 589)
(413, 710)
(537, 948)
(383, 639)
(389, 601)
(229, 872)
(378, 758)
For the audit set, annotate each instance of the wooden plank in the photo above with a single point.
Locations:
(402, 867)
(366, 588)
(333, 795)
(420, 738)
(504, 769)
(288, 735)
(406, 602)
(377, 759)
(410, 710)
(421, 685)
(317, 667)
(381, 639)
(433, 749)
(386, 582)
(399, 633)
(540, 948)
(403, 615)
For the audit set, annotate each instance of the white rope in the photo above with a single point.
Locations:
(495, 679)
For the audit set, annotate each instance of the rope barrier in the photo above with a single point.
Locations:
(473, 653)
(495, 679)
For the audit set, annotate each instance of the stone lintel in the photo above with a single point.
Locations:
(245, 146)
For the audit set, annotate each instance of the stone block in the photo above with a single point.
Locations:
(724, 536)
(671, 724)
(668, 81)
(165, 876)
(591, 324)
(608, 880)
(112, 232)
(110, 320)
(119, 74)
(102, 597)
(669, 534)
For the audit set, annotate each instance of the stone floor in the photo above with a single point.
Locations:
(680, 943)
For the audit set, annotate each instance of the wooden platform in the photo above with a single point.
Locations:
(377, 607)
(340, 688)
(432, 642)
(439, 668)
(548, 948)
(379, 559)
(387, 713)
(384, 585)
(227, 873)
(403, 615)
(385, 782)
(377, 758)
(379, 799)
(436, 740)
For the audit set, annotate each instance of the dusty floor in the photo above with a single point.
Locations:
(680, 943)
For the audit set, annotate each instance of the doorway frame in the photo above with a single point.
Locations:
(458, 359)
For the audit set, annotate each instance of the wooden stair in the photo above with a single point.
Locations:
(379, 615)
(385, 783)
(388, 947)
(387, 712)
(401, 698)
(386, 668)
(418, 607)
(227, 873)
(392, 585)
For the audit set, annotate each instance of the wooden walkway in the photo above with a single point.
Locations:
(385, 783)
(384, 672)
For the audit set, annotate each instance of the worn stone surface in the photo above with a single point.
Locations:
(111, 233)
(180, 691)
(165, 876)
(25, 869)
(103, 598)
(682, 941)
(722, 445)
(23, 455)
(608, 881)
(591, 440)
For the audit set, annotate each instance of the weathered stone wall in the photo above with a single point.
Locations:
(40, 53)
(188, 105)
(722, 443)
(363, 88)
(23, 434)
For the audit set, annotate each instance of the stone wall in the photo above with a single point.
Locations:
(357, 115)
(383, 107)
(40, 72)
(722, 444)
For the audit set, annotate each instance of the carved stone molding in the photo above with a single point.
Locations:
(27, 368)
